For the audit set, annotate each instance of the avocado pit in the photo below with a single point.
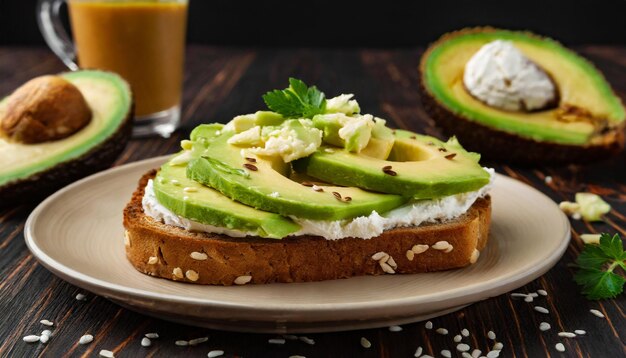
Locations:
(502, 77)
(46, 108)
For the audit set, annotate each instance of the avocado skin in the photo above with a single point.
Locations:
(503, 146)
(39, 185)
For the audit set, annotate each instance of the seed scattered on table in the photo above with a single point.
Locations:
(560, 347)
(442, 331)
(544, 326)
(541, 309)
(85, 339)
(462, 347)
(580, 332)
(597, 313)
(395, 328)
(446, 353)
(548, 179)
(466, 355)
(497, 346)
(81, 297)
(146, 342)
(418, 351)
(465, 332)
(181, 343)
(493, 354)
(567, 334)
(476, 353)
(457, 338)
(365, 343)
(307, 340)
(542, 292)
(45, 322)
(491, 335)
(215, 353)
(106, 354)
(196, 341)
(31, 338)
(276, 341)
(528, 298)
(44, 338)
(429, 325)
(290, 337)
(152, 335)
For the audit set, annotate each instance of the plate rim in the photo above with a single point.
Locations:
(116, 290)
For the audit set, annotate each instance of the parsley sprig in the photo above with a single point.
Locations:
(296, 101)
(597, 264)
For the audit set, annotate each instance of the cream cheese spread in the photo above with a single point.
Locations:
(501, 76)
(364, 227)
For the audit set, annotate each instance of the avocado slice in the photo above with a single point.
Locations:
(29, 171)
(419, 166)
(260, 183)
(209, 206)
(588, 113)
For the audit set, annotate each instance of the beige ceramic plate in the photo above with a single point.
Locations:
(77, 234)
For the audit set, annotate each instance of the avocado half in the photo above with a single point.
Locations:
(30, 171)
(544, 136)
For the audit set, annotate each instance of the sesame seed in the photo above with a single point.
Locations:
(318, 189)
(580, 332)
(491, 335)
(597, 313)
(365, 343)
(391, 262)
(251, 160)
(337, 195)
(450, 156)
(276, 341)
(177, 272)
(31, 338)
(153, 260)
(86, 339)
(347, 199)
(443, 150)
(544, 326)
(385, 266)
(81, 297)
(498, 346)
(250, 167)
(190, 189)
(516, 294)
(493, 354)
(181, 343)
(395, 328)
(442, 331)
(528, 298)
(541, 309)
(457, 338)
(196, 341)
(476, 353)
(410, 255)
(290, 337)
(146, 342)
(533, 294)
(466, 355)
(46, 332)
(242, 280)
(475, 256)
(126, 238)
(567, 334)
(106, 354)
(380, 255)
(192, 275)
(465, 332)
(387, 167)
(44, 338)
(200, 256)
(390, 172)
(462, 347)
(216, 353)
(429, 325)
(450, 248)
(152, 335)
(446, 353)
(547, 179)
(45, 322)
(441, 245)
(418, 249)
(307, 340)
(418, 352)
(427, 356)
(559, 347)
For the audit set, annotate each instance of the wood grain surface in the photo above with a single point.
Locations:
(223, 82)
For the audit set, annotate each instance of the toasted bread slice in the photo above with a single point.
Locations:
(173, 253)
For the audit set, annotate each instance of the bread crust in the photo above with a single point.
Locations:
(294, 259)
(504, 146)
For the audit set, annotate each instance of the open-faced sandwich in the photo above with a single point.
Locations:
(311, 190)
(519, 96)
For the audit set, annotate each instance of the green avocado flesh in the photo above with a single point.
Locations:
(209, 206)
(419, 162)
(109, 98)
(221, 166)
(580, 85)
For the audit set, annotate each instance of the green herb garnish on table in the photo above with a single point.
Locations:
(597, 268)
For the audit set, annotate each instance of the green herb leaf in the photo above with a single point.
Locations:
(597, 265)
(296, 101)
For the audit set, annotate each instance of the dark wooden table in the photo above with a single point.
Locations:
(223, 82)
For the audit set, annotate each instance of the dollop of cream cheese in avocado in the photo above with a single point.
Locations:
(501, 76)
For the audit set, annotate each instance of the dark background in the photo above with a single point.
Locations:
(377, 23)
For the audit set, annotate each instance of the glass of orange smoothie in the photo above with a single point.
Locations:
(142, 40)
